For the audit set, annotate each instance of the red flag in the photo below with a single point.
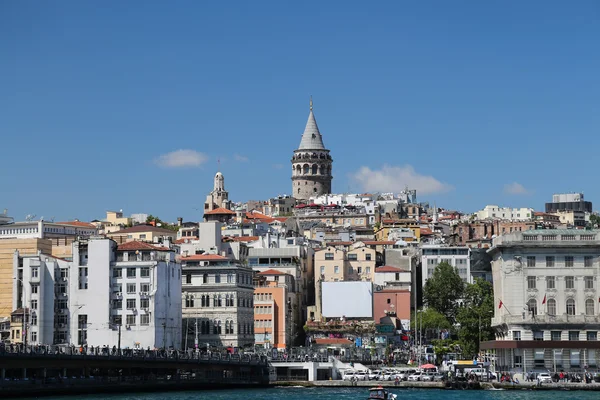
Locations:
(544, 301)
(500, 305)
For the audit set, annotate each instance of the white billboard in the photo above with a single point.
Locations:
(347, 299)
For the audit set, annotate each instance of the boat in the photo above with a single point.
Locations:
(380, 393)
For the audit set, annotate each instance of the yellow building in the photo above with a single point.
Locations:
(143, 233)
(7, 252)
(392, 226)
(342, 264)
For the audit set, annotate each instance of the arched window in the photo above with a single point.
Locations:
(220, 304)
(570, 307)
(551, 307)
(203, 301)
(589, 307)
(215, 301)
(305, 169)
(322, 170)
(215, 327)
(532, 306)
(219, 326)
(314, 169)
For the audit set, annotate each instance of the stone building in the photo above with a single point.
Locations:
(219, 197)
(311, 163)
(546, 291)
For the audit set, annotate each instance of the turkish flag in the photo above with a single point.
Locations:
(500, 305)
(544, 301)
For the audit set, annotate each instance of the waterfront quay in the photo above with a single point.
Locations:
(38, 372)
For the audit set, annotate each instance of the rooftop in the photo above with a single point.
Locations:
(142, 228)
(205, 257)
(311, 138)
(77, 223)
(389, 268)
(136, 245)
(271, 272)
(220, 210)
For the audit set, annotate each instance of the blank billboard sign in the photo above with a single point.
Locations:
(349, 299)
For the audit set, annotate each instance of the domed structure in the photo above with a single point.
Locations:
(219, 197)
(311, 163)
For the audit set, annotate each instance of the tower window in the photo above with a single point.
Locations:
(315, 190)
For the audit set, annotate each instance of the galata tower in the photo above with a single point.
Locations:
(311, 163)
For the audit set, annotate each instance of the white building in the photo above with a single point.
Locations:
(388, 275)
(496, 212)
(362, 201)
(108, 295)
(546, 290)
(45, 230)
(217, 302)
(458, 257)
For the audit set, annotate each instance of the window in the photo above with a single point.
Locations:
(144, 287)
(145, 272)
(573, 336)
(550, 261)
(189, 302)
(569, 282)
(145, 319)
(131, 320)
(33, 319)
(230, 278)
(188, 278)
(34, 304)
(117, 304)
(368, 257)
(352, 257)
(589, 307)
(550, 282)
(389, 301)
(142, 236)
(336, 270)
(570, 307)
(205, 278)
(217, 278)
(34, 336)
(367, 270)
(322, 270)
(329, 256)
(551, 304)
(131, 273)
(131, 303)
(555, 335)
(538, 335)
(34, 289)
(516, 335)
(532, 307)
(592, 335)
(531, 261)
(35, 272)
(131, 288)
(117, 272)
(568, 261)
(589, 282)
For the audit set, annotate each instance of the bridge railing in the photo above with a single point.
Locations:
(140, 354)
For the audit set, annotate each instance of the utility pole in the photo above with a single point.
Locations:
(196, 340)
(164, 335)
(119, 341)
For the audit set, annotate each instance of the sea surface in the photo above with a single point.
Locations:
(328, 393)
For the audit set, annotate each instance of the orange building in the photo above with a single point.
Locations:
(391, 301)
(273, 309)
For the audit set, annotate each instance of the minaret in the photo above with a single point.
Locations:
(311, 163)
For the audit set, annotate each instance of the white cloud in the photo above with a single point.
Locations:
(515, 188)
(392, 178)
(240, 158)
(181, 159)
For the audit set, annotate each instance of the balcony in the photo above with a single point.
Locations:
(562, 321)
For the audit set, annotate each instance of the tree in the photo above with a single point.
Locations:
(431, 319)
(443, 290)
(475, 316)
(595, 220)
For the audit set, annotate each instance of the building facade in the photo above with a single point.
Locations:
(496, 212)
(546, 289)
(459, 257)
(311, 163)
(127, 296)
(568, 202)
(218, 304)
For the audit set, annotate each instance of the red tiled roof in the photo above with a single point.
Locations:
(243, 238)
(135, 245)
(389, 268)
(332, 341)
(219, 210)
(142, 228)
(254, 215)
(204, 257)
(77, 223)
(271, 272)
(339, 243)
(378, 242)
(280, 219)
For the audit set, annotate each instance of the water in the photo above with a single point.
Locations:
(326, 393)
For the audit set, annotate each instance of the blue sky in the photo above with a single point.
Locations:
(469, 102)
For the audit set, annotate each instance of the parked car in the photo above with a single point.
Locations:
(375, 375)
(348, 376)
(362, 375)
(427, 377)
(544, 377)
(416, 377)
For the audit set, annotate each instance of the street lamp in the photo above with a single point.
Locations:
(23, 321)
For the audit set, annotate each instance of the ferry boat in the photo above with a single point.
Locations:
(380, 393)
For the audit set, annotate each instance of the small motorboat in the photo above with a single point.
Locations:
(380, 393)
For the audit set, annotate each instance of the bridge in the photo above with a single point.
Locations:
(38, 371)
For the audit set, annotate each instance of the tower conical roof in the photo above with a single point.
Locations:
(311, 138)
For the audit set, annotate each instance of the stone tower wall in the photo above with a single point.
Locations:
(311, 174)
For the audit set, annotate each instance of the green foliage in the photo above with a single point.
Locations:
(475, 316)
(441, 347)
(443, 290)
(595, 220)
(431, 319)
(164, 225)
